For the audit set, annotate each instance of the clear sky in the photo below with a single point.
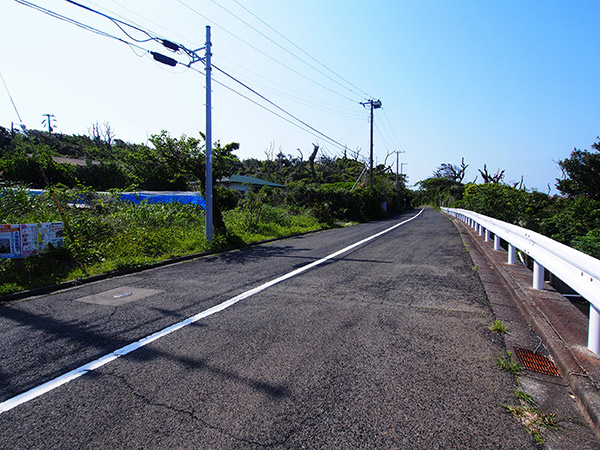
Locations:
(510, 84)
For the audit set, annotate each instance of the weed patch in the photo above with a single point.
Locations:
(107, 234)
(508, 364)
(531, 417)
(498, 326)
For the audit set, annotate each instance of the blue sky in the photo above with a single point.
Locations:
(509, 84)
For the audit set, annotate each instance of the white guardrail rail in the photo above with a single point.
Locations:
(579, 271)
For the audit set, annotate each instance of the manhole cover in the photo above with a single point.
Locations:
(119, 296)
(536, 363)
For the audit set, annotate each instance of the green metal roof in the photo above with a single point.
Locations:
(249, 180)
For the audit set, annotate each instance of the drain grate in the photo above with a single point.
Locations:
(536, 363)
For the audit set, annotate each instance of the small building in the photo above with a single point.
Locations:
(244, 183)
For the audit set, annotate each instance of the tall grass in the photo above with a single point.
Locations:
(106, 234)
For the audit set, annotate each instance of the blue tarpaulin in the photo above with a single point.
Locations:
(193, 198)
(164, 197)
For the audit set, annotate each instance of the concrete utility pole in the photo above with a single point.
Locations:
(193, 54)
(49, 118)
(397, 160)
(374, 104)
(208, 188)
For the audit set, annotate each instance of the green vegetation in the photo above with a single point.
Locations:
(498, 326)
(573, 218)
(106, 234)
(531, 417)
(508, 364)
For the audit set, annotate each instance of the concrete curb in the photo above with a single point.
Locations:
(577, 364)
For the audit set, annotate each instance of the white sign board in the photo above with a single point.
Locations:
(10, 241)
(29, 240)
(50, 236)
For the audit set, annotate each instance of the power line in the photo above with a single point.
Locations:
(391, 127)
(282, 47)
(264, 53)
(279, 107)
(328, 108)
(78, 24)
(138, 28)
(120, 5)
(299, 48)
(357, 130)
(383, 138)
(117, 22)
(259, 105)
(172, 62)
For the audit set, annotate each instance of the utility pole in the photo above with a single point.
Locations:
(208, 188)
(49, 118)
(193, 54)
(374, 104)
(397, 160)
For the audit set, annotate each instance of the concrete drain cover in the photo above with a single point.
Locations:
(119, 296)
(536, 363)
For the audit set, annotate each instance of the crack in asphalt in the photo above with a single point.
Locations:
(194, 416)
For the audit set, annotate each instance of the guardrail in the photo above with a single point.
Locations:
(579, 271)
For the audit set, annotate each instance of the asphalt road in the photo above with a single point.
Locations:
(385, 346)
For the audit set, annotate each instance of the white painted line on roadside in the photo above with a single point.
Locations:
(35, 392)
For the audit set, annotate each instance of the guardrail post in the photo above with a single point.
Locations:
(512, 254)
(496, 242)
(538, 275)
(480, 230)
(487, 235)
(594, 330)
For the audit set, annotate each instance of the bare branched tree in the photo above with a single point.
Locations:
(108, 133)
(452, 172)
(102, 134)
(311, 161)
(356, 153)
(491, 178)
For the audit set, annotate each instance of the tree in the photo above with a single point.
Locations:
(445, 187)
(491, 178)
(185, 159)
(311, 162)
(452, 172)
(581, 173)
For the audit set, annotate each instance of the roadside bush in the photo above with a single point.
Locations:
(106, 233)
(512, 205)
(573, 219)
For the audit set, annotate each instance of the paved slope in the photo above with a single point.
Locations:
(386, 346)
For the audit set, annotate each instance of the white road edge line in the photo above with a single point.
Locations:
(35, 392)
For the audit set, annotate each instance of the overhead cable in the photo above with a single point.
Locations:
(265, 53)
(78, 24)
(283, 48)
(299, 48)
(172, 62)
(278, 107)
